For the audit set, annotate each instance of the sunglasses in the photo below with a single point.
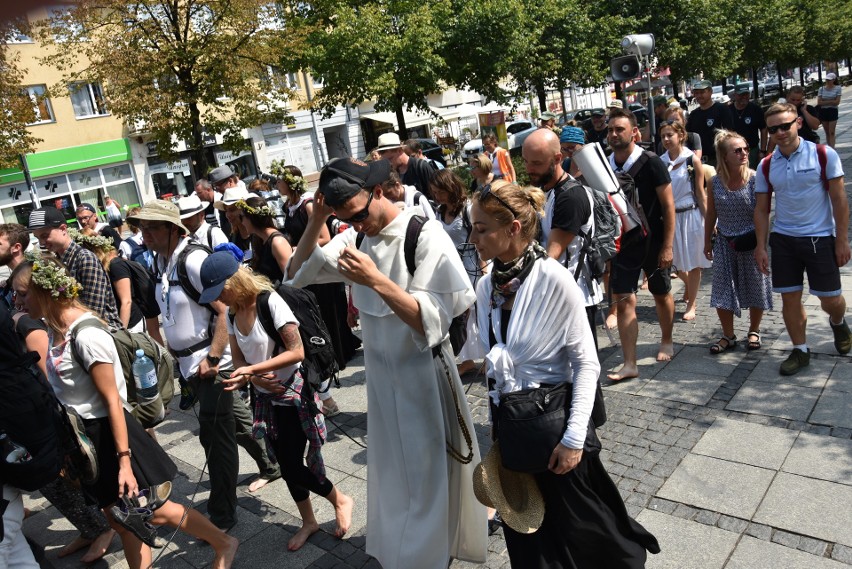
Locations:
(783, 126)
(361, 215)
(740, 150)
(486, 191)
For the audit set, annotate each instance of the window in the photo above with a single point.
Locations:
(283, 79)
(41, 104)
(87, 100)
(15, 34)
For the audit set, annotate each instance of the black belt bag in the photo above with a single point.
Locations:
(744, 242)
(531, 423)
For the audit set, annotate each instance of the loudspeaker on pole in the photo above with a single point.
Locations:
(625, 67)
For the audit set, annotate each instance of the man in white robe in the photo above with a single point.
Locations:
(421, 510)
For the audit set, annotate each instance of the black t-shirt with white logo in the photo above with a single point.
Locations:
(707, 122)
(749, 122)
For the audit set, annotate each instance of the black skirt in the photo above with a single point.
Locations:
(151, 465)
(586, 525)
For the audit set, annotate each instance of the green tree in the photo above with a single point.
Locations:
(182, 69)
(385, 51)
(18, 107)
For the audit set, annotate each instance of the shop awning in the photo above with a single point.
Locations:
(412, 118)
(51, 162)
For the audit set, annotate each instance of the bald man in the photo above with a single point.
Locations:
(567, 213)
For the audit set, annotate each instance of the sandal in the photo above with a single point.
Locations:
(730, 343)
(753, 341)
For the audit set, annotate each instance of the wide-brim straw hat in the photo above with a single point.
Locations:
(159, 210)
(514, 494)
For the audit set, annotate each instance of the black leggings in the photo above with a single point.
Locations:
(290, 450)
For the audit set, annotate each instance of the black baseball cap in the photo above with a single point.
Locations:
(343, 178)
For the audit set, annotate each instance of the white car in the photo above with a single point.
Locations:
(516, 131)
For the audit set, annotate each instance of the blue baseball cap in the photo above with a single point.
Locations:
(215, 271)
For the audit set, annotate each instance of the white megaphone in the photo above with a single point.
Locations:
(598, 174)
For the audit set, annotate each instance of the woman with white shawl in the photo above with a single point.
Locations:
(532, 319)
(690, 209)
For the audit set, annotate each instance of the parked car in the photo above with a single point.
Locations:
(640, 111)
(432, 151)
(516, 131)
(717, 94)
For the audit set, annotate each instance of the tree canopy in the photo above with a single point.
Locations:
(18, 107)
(180, 70)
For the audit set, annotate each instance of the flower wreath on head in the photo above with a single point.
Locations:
(54, 279)
(91, 241)
(263, 211)
(296, 183)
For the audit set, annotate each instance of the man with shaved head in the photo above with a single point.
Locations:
(567, 213)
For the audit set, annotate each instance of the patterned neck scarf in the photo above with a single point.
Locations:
(507, 278)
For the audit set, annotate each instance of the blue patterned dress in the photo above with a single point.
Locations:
(737, 282)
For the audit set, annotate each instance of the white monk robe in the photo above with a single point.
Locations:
(421, 509)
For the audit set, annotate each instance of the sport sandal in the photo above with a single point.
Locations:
(135, 519)
(730, 342)
(753, 340)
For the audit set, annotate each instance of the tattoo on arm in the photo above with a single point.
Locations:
(292, 339)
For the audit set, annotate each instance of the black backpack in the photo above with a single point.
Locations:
(142, 288)
(635, 211)
(458, 326)
(320, 363)
(31, 417)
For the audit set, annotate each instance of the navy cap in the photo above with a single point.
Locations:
(47, 216)
(215, 271)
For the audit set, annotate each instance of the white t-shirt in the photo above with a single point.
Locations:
(73, 385)
(421, 202)
(185, 322)
(257, 346)
(210, 235)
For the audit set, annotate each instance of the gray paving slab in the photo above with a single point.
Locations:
(718, 485)
(646, 358)
(822, 457)
(815, 375)
(841, 376)
(685, 544)
(833, 409)
(681, 385)
(698, 359)
(747, 443)
(751, 553)
(776, 400)
(810, 507)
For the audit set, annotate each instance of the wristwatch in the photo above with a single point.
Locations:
(126, 453)
(213, 360)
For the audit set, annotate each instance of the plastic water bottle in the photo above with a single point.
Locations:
(13, 452)
(145, 376)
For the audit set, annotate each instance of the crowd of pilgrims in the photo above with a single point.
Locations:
(493, 225)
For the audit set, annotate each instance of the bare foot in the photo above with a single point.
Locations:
(343, 514)
(689, 315)
(79, 543)
(644, 285)
(298, 540)
(99, 547)
(624, 372)
(258, 483)
(225, 556)
(666, 352)
(612, 322)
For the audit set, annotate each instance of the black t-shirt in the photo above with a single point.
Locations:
(598, 136)
(706, 122)
(652, 174)
(10, 344)
(749, 122)
(571, 208)
(119, 269)
(805, 131)
(418, 174)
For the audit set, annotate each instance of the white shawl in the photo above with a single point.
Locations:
(549, 341)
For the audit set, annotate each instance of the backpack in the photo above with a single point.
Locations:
(32, 418)
(822, 158)
(458, 326)
(602, 244)
(320, 362)
(126, 343)
(142, 288)
(634, 220)
(137, 252)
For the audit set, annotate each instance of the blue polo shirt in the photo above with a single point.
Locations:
(802, 204)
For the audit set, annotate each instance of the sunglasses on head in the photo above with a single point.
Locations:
(486, 191)
(786, 126)
(361, 215)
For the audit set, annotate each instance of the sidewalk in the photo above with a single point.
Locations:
(728, 463)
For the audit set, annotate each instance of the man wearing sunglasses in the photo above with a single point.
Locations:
(421, 510)
(809, 233)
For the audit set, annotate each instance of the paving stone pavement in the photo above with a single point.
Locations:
(728, 463)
